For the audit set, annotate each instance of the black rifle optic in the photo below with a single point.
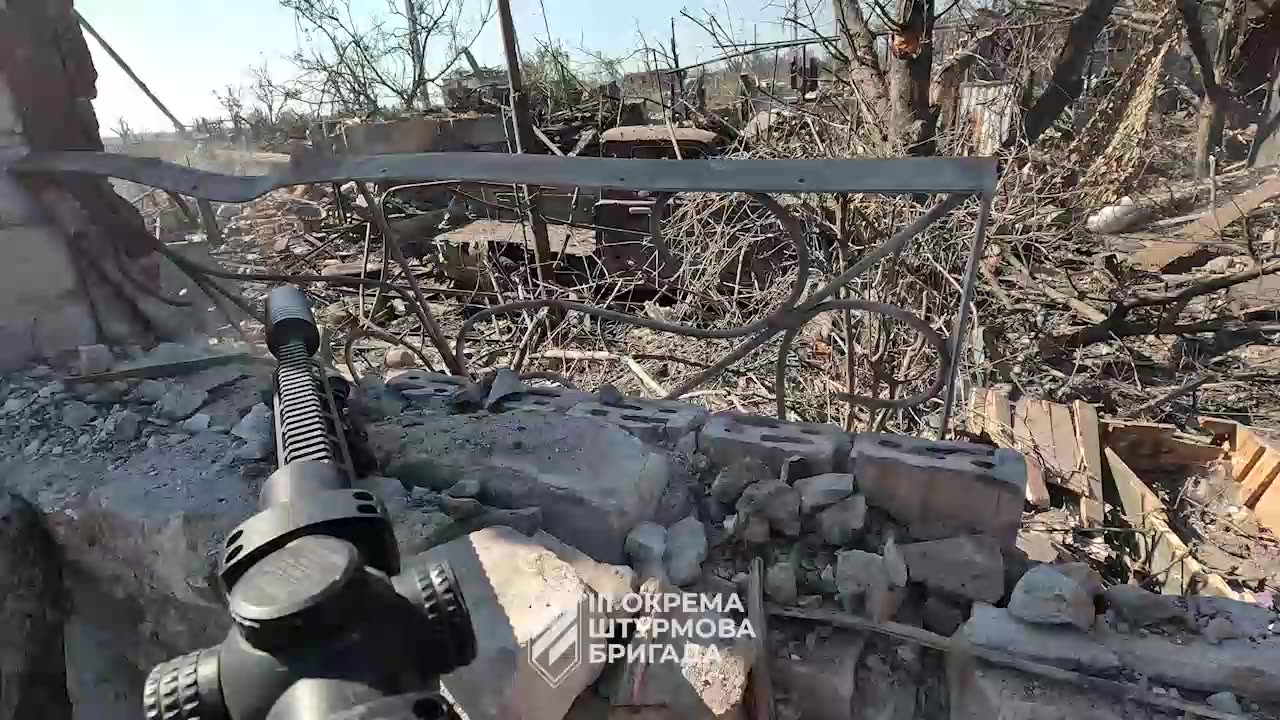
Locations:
(326, 622)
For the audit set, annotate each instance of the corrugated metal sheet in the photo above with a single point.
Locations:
(986, 111)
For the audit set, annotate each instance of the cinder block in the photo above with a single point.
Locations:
(64, 325)
(730, 436)
(17, 206)
(422, 387)
(654, 421)
(942, 488)
(17, 343)
(37, 266)
(543, 399)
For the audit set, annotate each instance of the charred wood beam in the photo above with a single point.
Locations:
(1067, 81)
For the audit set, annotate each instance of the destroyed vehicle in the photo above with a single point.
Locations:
(654, 142)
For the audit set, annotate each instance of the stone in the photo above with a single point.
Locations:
(894, 563)
(142, 536)
(255, 429)
(677, 501)
(400, 357)
(75, 414)
(736, 476)
(462, 508)
(841, 523)
(701, 677)
(1084, 575)
(101, 680)
(943, 617)
(942, 488)
(196, 423)
(31, 615)
(180, 403)
(151, 391)
(754, 530)
(1247, 668)
(389, 491)
(1250, 618)
(818, 492)
(505, 383)
(646, 545)
(1220, 629)
(776, 501)
(979, 691)
(968, 566)
(1047, 597)
(780, 583)
(593, 481)
(1141, 608)
(822, 685)
(467, 488)
(729, 436)
(654, 421)
(685, 551)
(15, 405)
(1063, 647)
(95, 359)
(1224, 701)
(518, 592)
(108, 392)
(863, 574)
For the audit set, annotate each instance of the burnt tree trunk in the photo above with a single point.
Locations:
(1215, 68)
(911, 67)
(1068, 74)
(1266, 146)
(865, 74)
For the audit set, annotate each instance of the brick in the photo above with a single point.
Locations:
(729, 436)
(654, 421)
(517, 591)
(941, 488)
(36, 265)
(543, 399)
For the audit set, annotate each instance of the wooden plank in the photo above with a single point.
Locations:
(1261, 478)
(1037, 492)
(1159, 255)
(1168, 557)
(977, 411)
(1020, 439)
(1066, 447)
(1000, 418)
(1220, 428)
(1092, 508)
(761, 678)
(1247, 453)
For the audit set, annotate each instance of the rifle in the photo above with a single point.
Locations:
(327, 621)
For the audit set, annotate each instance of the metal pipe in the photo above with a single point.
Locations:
(182, 130)
(962, 316)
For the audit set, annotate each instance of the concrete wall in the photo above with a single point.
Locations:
(42, 312)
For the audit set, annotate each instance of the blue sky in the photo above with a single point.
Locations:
(186, 49)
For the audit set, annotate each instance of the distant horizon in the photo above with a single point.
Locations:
(185, 52)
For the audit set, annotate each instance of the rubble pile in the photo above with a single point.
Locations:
(137, 462)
